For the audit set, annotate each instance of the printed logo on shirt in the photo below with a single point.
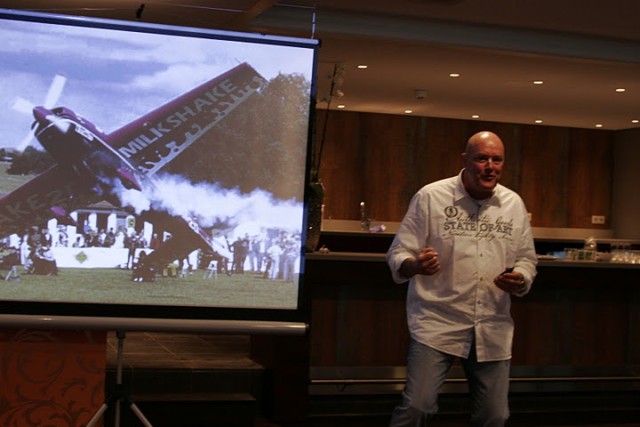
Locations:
(451, 211)
(484, 227)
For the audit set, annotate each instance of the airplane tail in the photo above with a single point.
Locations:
(186, 236)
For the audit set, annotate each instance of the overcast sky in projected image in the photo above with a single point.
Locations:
(113, 77)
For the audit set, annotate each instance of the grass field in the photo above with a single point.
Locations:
(8, 182)
(114, 286)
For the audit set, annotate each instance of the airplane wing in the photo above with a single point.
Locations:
(155, 139)
(52, 194)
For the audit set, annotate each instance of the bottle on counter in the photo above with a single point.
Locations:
(590, 249)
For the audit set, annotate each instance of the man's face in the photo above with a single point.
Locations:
(483, 167)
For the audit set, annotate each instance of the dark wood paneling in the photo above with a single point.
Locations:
(564, 175)
(544, 156)
(357, 314)
(590, 176)
(577, 317)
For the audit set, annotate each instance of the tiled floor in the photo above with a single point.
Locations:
(146, 350)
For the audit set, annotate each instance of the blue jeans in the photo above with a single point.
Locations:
(427, 369)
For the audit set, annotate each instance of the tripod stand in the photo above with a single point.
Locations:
(118, 396)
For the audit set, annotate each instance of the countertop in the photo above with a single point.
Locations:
(544, 262)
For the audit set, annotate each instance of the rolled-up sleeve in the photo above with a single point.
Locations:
(526, 259)
(409, 239)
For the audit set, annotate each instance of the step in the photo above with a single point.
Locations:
(189, 410)
(176, 381)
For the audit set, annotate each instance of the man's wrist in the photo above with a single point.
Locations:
(408, 268)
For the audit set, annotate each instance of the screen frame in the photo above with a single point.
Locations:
(130, 317)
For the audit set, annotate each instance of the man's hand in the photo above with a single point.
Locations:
(510, 282)
(426, 263)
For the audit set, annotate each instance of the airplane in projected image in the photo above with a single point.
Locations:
(119, 167)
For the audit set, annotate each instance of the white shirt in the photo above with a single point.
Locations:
(475, 241)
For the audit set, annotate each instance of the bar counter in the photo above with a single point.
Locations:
(577, 330)
(542, 262)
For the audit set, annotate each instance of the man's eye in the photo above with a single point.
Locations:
(483, 160)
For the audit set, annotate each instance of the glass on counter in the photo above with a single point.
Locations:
(573, 254)
(586, 255)
(570, 254)
(619, 254)
(624, 254)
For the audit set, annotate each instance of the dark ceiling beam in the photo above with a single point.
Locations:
(336, 23)
(244, 19)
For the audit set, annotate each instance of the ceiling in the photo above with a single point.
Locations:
(582, 51)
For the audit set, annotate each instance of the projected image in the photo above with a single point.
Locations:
(151, 169)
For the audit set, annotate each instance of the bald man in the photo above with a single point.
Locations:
(465, 247)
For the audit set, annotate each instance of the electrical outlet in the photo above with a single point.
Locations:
(597, 219)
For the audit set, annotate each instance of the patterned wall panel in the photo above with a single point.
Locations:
(50, 378)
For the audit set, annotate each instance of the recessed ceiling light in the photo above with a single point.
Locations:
(454, 75)
(363, 66)
(598, 125)
(340, 106)
(538, 121)
(475, 116)
(408, 111)
(635, 121)
(621, 89)
(538, 82)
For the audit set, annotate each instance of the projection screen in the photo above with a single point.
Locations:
(152, 176)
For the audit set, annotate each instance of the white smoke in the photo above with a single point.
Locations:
(213, 205)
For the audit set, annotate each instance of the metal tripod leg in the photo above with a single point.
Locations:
(118, 396)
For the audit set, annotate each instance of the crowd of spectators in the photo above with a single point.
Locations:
(34, 249)
(272, 257)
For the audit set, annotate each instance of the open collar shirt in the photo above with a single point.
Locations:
(475, 241)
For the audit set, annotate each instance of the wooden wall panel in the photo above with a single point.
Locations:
(590, 176)
(544, 157)
(358, 315)
(445, 141)
(564, 175)
(382, 168)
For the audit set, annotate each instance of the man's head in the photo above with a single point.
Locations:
(483, 160)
